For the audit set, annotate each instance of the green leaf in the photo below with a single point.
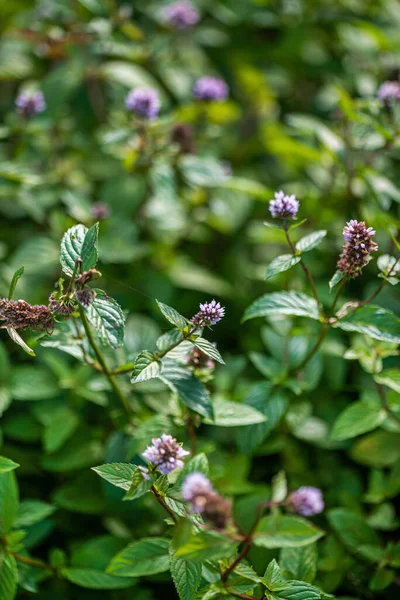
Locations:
(17, 339)
(378, 449)
(139, 486)
(33, 383)
(381, 579)
(283, 303)
(79, 242)
(272, 576)
(185, 575)
(6, 464)
(282, 263)
(8, 577)
(17, 275)
(106, 316)
(298, 590)
(95, 580)
(202, 172)
(146, 557)
(60, 427)
(357, 418)
(299, 563)
(335, 279)
(207, 545)
(8, 502)
(32, 511)
(187, 387)
(146, 367)
(390, 378)
(119, 474)
(279, 487)
(308, 242)
(209, 349)
(374, 321)
(352, 529)
(233, 414)
(172, 315)
(285, 532)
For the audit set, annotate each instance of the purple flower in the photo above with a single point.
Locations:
(198, 359)
(196, 489)
(144, 102)
(21, 315)
(30, 104)
(85, 297)
(389, 91)
(357, 248)
(145, 473)
(209, 314)
(165, 453)
(284, 207)
(181, 14)
(307, 501)
(100, 211)
(210, 88)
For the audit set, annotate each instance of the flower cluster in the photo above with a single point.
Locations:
(198, 359)
(209, 89)
(204, 500)
(30, 104)
(85, 297)
(284, 207)
(389, 91)
(144, 102)
(165, 453)
(21, 315)
(181, 14)
(209, 314)
(307, 501)
(357, 248)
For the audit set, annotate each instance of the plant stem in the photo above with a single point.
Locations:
(385, 406)
(305, 269)
(192, 435)
(185, 336)
(338, 292)
(32, 562)
(310, 353)
(162, 502)
(117, 390)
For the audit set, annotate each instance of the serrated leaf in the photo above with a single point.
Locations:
(106, 316)
(172, 315)
(17, 339)
(6, 464)
(352, 529)
(298, 590)
(79, 242)
(308, 242)
(95, 580)
(119, 474)
(282, 263)
(283, 303)
(285, 532)
(8, 578)
(185, 575)
(272, 576)
(139, 486)
(233, 414)
(374, 321)
(390, 378)
(206, 545)
(182, 381)
(356, 419)
(209, 349)
(299, 563)
(17, 275)
(146, 367)
(335, 279)
(146, 557)
(32, 511)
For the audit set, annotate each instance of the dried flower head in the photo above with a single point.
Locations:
(85, 297)
(182, 135)
(209, 89)
(209, 314)
(198, 359)
(21, 315)
(165, 453)
(100, 211)
(144, 102)
(198, 490)
(284, 207)
(389, 91)
(59, 306)
(357, 248)
(30, 104)
(181, 14)
(307, 501)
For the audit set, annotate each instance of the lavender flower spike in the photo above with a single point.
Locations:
(209, 314)
(181, 14)
(144, 102)
(30, 104)
(165, 453)
(210, 88)
(389, 91)
(196, 489)
(284, 207)
(307, 501)
(357, 248)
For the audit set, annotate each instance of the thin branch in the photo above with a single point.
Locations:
(162, 502)
(32, 562)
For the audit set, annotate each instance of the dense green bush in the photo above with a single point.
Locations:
(295, 385)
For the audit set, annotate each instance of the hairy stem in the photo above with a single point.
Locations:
(117, 390)
(162, 502)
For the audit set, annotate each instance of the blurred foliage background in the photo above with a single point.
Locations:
(302, 116)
